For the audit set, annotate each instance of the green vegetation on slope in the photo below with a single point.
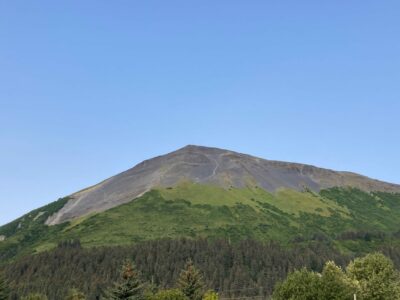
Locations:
(288, 201)
(354, 220)
(194, 210)
(153, 217)
(373, 211)
(23, 235)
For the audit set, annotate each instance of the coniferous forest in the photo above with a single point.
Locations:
(247, 269)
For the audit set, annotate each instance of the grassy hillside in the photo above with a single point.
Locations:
(24, 234)
(350, 218)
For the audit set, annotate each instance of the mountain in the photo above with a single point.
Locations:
(201, 192)
(210, 166)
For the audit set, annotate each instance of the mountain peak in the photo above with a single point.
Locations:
(209, 166)
(194, 147)
(199, 148)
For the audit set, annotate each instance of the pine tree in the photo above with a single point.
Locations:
(129, 286)
(190, 282)
(4, 290)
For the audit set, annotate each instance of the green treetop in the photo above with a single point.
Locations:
(129, 286)
(190, 282)
(335, 285)
(376, 276)
(299, 285)
(372, 277)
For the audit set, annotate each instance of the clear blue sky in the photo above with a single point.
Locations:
(90, 88)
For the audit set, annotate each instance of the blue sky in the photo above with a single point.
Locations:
(90, 88)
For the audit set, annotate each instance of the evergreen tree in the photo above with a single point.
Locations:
(190, 282)
(75, 294)
(4, 290)
(129, 286)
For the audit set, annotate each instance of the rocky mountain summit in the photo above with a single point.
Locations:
(213, 166)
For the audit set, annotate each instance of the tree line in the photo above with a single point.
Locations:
(372, 277)
(130, 286)
(248, 269)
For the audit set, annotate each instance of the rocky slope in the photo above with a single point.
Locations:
(213, 166)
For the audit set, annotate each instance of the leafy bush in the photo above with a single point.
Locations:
(171, 294)
(372, 277)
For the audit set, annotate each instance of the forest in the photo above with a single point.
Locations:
(243, 270)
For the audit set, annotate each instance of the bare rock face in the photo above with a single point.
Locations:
(209, 166)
